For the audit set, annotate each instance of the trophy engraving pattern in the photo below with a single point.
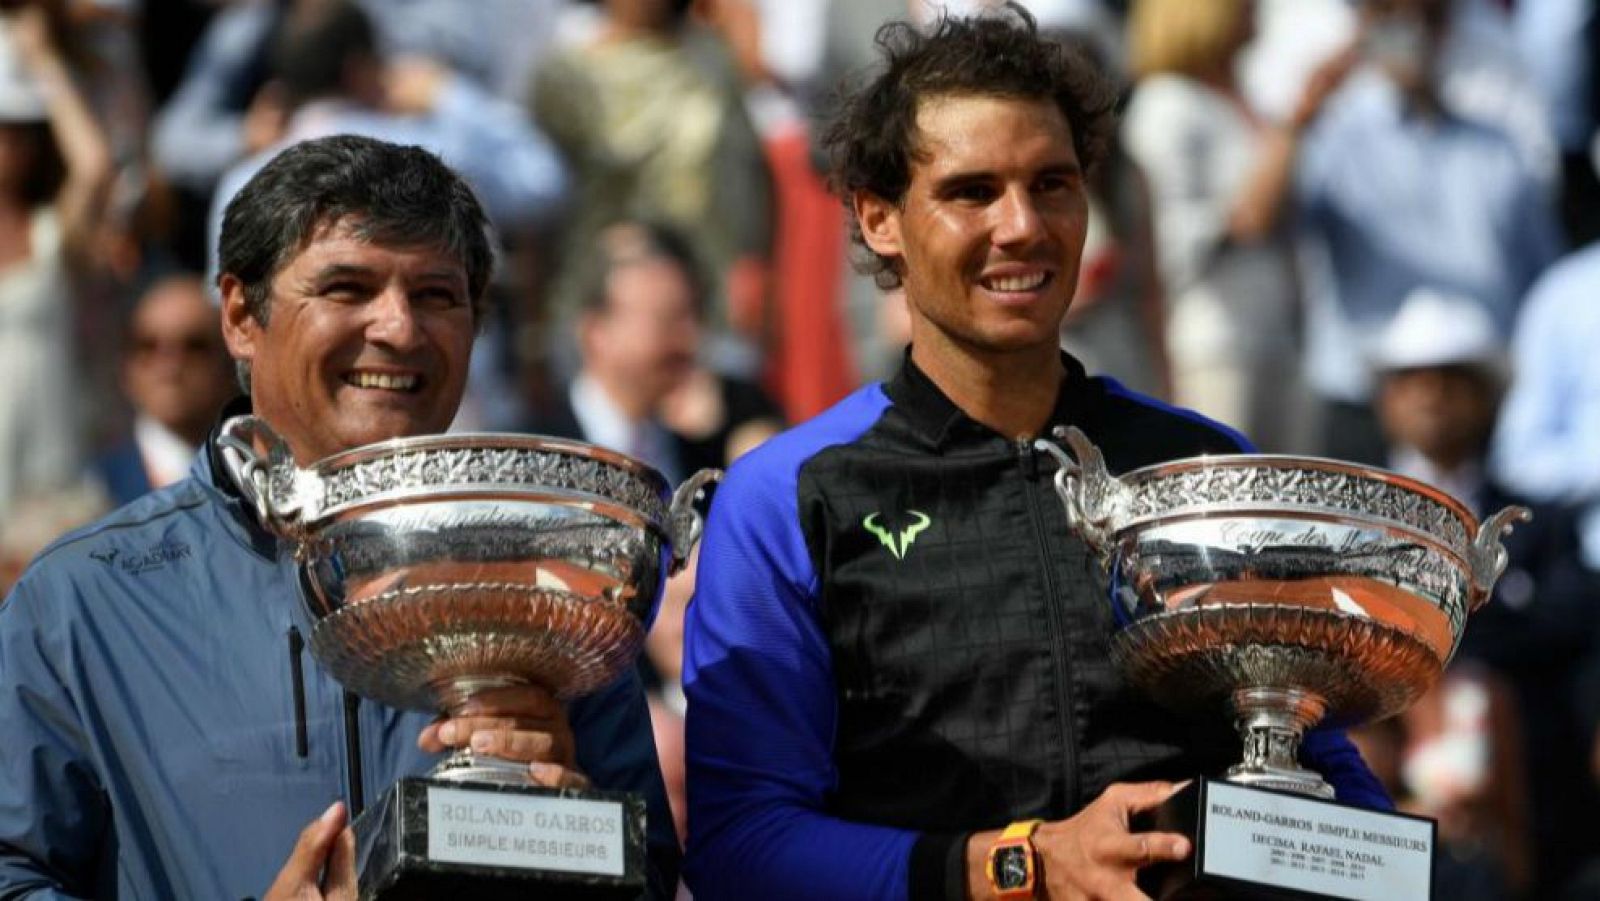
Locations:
(405, 647)
(367, 549)
(1218, 486)
(1363, 669)
(437, 467)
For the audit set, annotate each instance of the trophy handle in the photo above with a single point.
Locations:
(240, 442)
(685, 522)
(1488, 554)
(1092, 496)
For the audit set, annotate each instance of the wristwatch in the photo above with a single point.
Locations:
(1013, 864)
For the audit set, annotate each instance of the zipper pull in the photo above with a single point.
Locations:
(1027, 456)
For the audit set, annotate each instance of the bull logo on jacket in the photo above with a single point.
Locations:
(898, 543)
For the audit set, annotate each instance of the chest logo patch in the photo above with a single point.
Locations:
(898, 543)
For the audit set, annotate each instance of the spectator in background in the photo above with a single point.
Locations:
(334, 81)
(641, 387)
(1548, 446)
(1219, 179)
(221, 112)
(1440, 371)
(717, 419)
(38, 519)
(638, 341)
(1559, 40)
(496, 43)
(54, 171)
(649, 113)
(1548, 442)
(1398, 190)
(1454, 757)
(638, 335)
(176, 374)
(226, 108)
(808, 361)
(1117, 323)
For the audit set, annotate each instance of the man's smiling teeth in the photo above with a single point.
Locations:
(1016, 282)
(382, 380)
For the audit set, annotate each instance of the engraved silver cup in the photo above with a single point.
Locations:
(1297, 590)
(443, 565)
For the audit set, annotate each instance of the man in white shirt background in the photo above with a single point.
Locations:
(1440, 370)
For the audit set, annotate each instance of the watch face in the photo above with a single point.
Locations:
(1011, 867)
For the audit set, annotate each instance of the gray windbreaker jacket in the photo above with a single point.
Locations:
(150, 742)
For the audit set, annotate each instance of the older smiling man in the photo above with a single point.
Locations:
(166, 735)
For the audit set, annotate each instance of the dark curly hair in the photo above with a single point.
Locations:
(871, 138)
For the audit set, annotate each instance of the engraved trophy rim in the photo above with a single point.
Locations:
(1299, 461)
(479, 440)
(1154, 471)
(311, 493)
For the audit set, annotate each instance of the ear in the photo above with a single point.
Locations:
(880, 223)
(240, 330)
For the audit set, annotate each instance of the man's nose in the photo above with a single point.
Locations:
(393, 322)
(1018, 220)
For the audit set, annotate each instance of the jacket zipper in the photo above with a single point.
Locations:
(349, 724)
(1029, 460)
(298, 677)
(352, 754)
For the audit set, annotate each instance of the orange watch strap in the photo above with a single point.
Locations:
(1021, 829)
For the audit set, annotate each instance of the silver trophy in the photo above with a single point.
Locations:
(441, 566)
(1292, 592)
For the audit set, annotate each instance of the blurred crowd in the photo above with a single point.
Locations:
(1359, 229)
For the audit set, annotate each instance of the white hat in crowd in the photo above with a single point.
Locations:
(1437, 328)
(20, 98)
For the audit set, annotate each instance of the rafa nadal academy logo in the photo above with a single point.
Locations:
(899, 544)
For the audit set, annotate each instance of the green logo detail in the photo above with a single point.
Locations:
(898, 545)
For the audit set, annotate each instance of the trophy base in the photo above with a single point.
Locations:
(429, 837)
(1253, 843)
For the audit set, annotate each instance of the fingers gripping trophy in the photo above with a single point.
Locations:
(1285, 592)
(436, 568)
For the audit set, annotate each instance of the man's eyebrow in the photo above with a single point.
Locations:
(959, 179)
(355, 270)
(963, 177)
(338, 270)
(1069, 168)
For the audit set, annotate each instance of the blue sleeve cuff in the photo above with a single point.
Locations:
(1330, 752)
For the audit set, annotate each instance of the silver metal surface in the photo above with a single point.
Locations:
(443, 566)
(1295, 590)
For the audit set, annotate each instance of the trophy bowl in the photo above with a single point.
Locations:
(1294, 590)
(440, 566)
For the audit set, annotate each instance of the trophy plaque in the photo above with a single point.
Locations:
(441, 566)
(1284, 592)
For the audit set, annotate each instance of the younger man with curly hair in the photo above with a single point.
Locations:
(897, 645)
